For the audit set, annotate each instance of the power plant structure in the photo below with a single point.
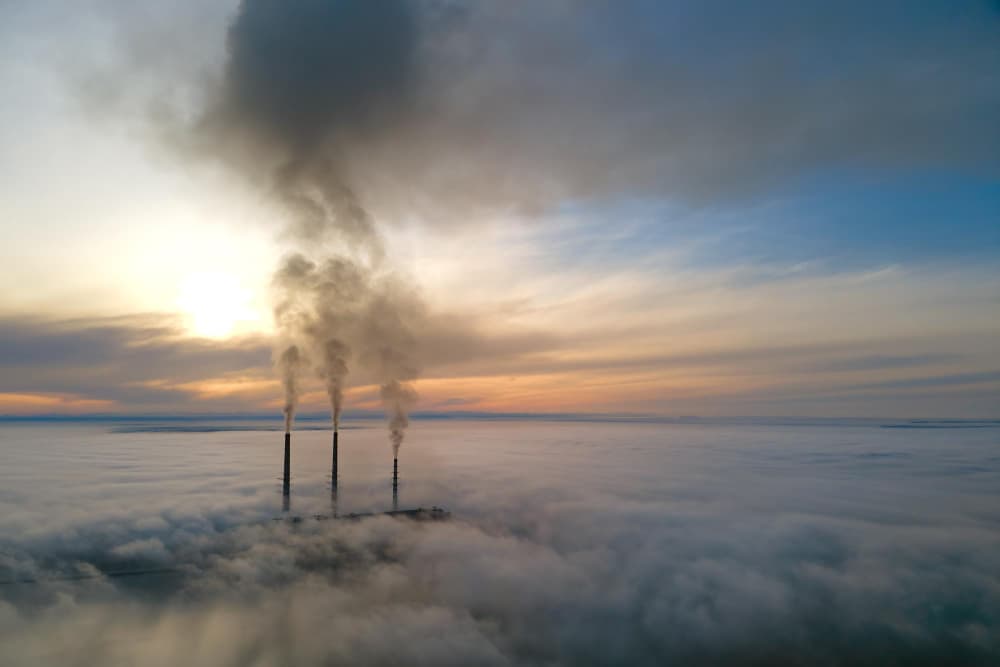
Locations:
(395, 484)
(333, 475)
(286, 479)
(435, 513)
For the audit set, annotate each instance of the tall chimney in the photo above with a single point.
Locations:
(286, 480)
(333, 469)
(395, 484)
(333, 475)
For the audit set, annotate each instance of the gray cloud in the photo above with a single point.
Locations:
(120, 358)
(298, 75)
(885, 361)
(523, 110)
(110, 358)
(943, 380)
(123, 359)
(494, 108)
(41, 343)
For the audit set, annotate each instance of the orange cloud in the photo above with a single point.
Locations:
(212, 388)
(12, 403)
(551, 392)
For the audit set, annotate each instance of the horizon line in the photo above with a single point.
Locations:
(476, 415)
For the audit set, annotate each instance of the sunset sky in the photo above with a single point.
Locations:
(674, 208)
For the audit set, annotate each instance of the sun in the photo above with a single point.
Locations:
(214, 304)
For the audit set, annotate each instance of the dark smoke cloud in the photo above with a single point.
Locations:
(468, 110)
(304, 83)
(304, 73)
(437, 109)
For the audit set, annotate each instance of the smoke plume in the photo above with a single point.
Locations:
(334, 370)
(389, 352)
(306, 83)
(397, 398)
(336, 306)
(289, 363)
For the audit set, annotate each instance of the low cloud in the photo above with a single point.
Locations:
(673, 569)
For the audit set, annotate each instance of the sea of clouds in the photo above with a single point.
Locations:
(570, 544)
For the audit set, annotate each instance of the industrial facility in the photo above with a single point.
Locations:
(434, 513)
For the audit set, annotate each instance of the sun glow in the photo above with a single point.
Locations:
(214, 304)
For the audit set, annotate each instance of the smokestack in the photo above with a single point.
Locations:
(395, 484)
(286, 480)
(333, 475)
(333, 469)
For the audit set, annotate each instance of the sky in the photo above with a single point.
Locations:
(674, 208)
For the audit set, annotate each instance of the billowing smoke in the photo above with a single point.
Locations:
(458, 109)
(304, 75)
(336, 306)
(397, 398)
(304, 82)
(289, 363)
(319, 305)
(334, 371)
(389, 351)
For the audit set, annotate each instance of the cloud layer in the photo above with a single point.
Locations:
(888, 344)
(727, 545)
(498, 109)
